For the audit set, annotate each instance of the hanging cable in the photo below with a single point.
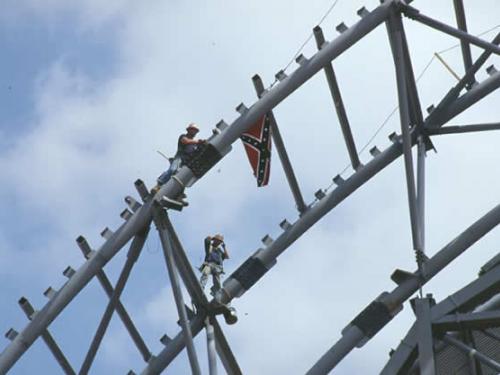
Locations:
(301, 48)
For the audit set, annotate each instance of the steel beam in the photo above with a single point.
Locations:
(459, 129)
(338, 103)
(394, 25)
(362, 328)
(159, 219)
(48, 339)
(184, 267)
(280, 147)
(462, 25)
(132, 256)
(225, 353)
(421, 155)
(474, 320)
(471, 352)
(212, 359)
(469, 75)
(471, 97)
(415, 14)
(426, 361)
(470, 296)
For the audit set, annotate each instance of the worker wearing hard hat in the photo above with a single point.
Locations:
(215, 254)
(186, 146)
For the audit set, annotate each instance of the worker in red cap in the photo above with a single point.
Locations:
(186, 146)
(215, 254)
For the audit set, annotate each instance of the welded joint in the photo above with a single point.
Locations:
(341, 27)
(222, 125)
(285, 224)
(142, 189)
(84, 246)
(126, 214)
(362, 12)
(107, 233)
(241, 108)
(165, 339)
(395, 138)
(338, 180)
(491, 70)
(132, 203)
(320, 194)
(281, 75)
(69, 272)
(50, 292)
(374, 151)
(267, 240)
(11, 334)
(26, 307)
(301, 60)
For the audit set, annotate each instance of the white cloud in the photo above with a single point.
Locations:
(178, 63)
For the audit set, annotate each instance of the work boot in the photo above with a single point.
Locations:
(155, 189)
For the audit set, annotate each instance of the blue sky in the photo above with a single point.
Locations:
(96, 89)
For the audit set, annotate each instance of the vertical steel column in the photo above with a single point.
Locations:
(421, 188)
(280, 147)
(224, 351)
(339, 104)
(424, 335)
(132, 256)
(158, 217)
(395, 30)
(212, 360)
(462, 25)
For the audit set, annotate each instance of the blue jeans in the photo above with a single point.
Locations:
(165, 176)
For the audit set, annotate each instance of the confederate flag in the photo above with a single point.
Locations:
(257, 142)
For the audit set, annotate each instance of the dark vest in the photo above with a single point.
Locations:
(184, 151)
(216, 256)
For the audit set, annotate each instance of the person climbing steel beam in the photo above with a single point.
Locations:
(215, 254)
(187, 145)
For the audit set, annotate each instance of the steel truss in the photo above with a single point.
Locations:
(415, 130)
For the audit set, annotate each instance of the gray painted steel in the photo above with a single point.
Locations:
(395, 36)
(415, 14)
(132, 256)
(352, 336)
(174, 281)
(338, 103)
(212, 360)
(472, 295)
(458, 129)
(265, 258)
(424, 336)
(282, 153)
(462, 25)
(472, 352)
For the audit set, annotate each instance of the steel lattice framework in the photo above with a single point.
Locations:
(454, 322)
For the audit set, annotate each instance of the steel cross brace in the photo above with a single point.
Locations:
(338, 103)
(395, 28)
(158, 363)
(159, 220)
(120, 309)
(469, 296)
(48, 339)
(132, 256)
(458, 129)
(462, 25)
(383, 309)
(415, 14)
(454, 92)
